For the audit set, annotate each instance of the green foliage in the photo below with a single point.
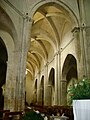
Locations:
(32, 115)
(79, 91)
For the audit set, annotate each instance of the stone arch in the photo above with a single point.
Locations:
(7, 25)
(41, 102)
(51, 86)
(57, 3)
(69, 68)
(3, 62)
(3, 71)
(10, 73)
(52, 77)
(69, 72)
(36, 84)
(42, 36)
(40, 3)
(9, 36)
(38, 37)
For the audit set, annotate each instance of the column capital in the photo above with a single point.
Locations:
(75, 30)
(57, 53)
(46, 64)
(27, 18)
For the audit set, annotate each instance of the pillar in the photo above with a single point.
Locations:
(39, 100)
(59, 78)
(46, 94)
(38, 88)
(82, 26)
(87, 29)
(21, 77)
(77, 42)
(56, 79)
(9, 97)
(49, 95)
(63, 84)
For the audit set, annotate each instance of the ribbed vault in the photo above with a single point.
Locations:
(50, 24)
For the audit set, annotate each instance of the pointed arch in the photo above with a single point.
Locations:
(3, 62)
(7, 25)
(51, 86)
(42, 91)
(69, 68)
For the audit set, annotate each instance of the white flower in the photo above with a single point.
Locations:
(75, 85)
(68, 89)
(81, 83)
(83, 80)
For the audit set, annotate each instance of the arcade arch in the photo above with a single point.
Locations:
(69, 74)
(51, 86)
(51, 29)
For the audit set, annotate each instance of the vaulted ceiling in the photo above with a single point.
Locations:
(51, 23)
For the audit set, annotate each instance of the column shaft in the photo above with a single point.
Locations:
(56, 79)
(46, 94)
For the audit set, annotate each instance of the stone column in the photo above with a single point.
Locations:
(38, 88)
(9, 97)
(39, 96)
(63, 92)
(21, 77)
(82, 26)
(59, 78)
(39, 100)
(49, 95)
(83, 49)
(58, 84)
(56, 79)
(46, 94)
(76, 37)
(14, 98)
(87, 29)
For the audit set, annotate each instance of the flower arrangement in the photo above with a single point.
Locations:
(80, 90)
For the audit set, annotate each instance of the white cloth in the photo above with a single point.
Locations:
(81, 109)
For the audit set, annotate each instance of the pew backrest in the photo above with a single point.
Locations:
(16, 114)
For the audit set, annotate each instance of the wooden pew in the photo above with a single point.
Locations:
(11, 115)
(49, 110)
(2, 113)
